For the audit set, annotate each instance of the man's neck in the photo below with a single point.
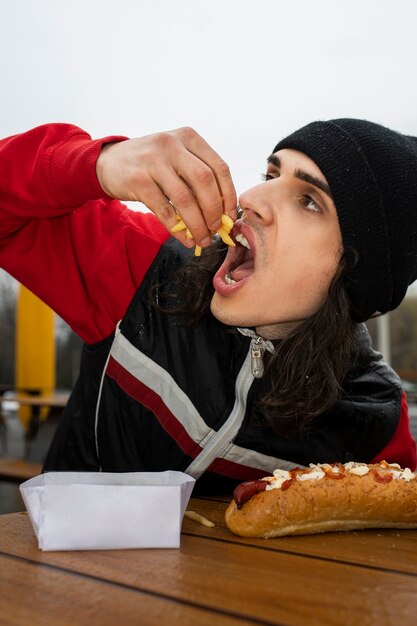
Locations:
(277, 331)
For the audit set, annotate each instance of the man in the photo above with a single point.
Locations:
(263, 366)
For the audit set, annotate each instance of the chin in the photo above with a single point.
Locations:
(222, 313)
(226, 315)
(269, 329)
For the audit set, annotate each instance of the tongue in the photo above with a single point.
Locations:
(242, 271)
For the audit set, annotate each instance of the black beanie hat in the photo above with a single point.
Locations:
(372, 174)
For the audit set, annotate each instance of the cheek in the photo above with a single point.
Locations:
(310, 268)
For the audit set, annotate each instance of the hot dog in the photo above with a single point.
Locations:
(323, 498)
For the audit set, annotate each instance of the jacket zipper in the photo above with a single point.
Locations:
(257, 362)
(231, 427)
(252, 367)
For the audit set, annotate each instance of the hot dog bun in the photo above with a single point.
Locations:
(324, 498)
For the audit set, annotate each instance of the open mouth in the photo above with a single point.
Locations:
(241, 262)
(238, 265)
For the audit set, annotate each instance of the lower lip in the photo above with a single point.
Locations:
(223, 288)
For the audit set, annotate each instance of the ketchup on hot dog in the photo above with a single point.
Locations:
(245, 491)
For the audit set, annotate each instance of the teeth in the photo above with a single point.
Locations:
(229, 280)
(242, 240)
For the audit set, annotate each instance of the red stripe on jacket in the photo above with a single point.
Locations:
(402, 447)
(152, 401)
(146, 396)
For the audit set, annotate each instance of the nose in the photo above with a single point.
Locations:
(256, 205)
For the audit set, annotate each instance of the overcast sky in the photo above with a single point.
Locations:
(244, 73)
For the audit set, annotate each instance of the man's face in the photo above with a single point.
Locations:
(291, 226)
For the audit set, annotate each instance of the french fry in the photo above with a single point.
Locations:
(179, 227)
(199, 518)
(227, 223)
(224, 230)
(225, 237)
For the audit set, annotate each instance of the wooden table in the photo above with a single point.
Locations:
(364, 578)
(18, 470)
(54, 402)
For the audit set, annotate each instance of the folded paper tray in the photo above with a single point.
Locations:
(105, 511)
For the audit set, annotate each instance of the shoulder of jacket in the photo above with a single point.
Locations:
(371, 365)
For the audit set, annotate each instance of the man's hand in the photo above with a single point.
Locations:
(171, 172)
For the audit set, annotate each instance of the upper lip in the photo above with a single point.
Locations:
(245, 229)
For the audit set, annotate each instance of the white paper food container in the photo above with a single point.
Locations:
(105, 511)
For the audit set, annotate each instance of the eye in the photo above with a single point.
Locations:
(269, 176)
(310, 204)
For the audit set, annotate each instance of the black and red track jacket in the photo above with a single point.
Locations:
(153, 395)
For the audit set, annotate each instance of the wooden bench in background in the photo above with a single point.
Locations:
(18, 470)
(36, 443)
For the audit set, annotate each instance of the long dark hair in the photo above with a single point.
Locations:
(303, 378)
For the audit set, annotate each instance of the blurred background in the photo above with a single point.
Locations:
(242, 73)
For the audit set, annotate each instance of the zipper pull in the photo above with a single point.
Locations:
(257, 362)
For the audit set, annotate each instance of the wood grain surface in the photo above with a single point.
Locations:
(343, 579)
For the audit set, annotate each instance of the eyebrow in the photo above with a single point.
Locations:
(302, 175)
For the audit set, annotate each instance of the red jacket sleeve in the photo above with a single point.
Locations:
(81, 252)
(402, 447)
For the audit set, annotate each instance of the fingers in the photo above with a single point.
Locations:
(209, 192)
(193, 210)
(223, 231)
(171, 172)
(154, 198)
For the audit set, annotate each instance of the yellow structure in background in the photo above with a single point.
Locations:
(35, 349)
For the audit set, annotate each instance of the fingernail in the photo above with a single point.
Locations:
(216, 225)
(205, 242)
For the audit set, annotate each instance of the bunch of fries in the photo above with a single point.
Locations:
(224, 230)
